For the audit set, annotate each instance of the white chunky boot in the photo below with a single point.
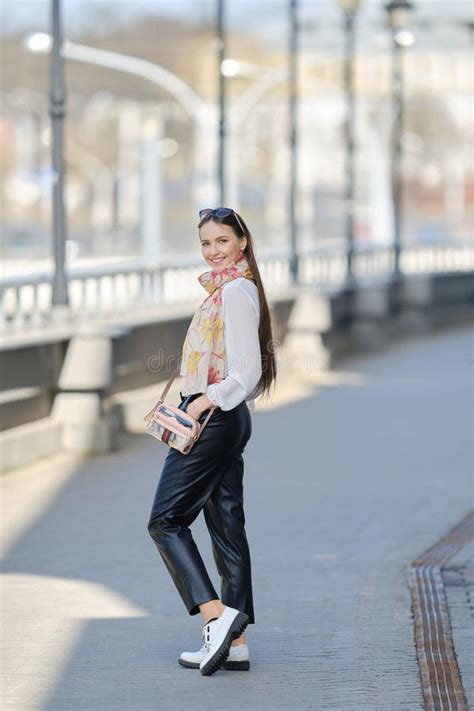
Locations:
(218, 635)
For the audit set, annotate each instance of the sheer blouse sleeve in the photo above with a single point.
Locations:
(241, 321)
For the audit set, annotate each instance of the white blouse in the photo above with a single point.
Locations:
(241, 316)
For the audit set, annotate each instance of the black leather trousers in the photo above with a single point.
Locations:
(210, 477)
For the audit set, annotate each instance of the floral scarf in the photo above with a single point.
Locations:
(204, 358)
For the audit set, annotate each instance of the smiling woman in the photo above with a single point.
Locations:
(220, 245)
(227, 361)
(226, 245)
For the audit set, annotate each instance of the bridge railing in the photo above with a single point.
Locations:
(120, 289)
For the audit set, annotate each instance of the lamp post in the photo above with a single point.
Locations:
(57, 101)
(222, 102)
(398, 17)
(293, 116)
(202, 112)
(349, 8)
(264, 80)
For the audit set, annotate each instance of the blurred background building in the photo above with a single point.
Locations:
(141, 150)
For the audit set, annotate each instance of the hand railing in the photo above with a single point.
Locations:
(101, 292)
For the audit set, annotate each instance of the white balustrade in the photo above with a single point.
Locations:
(99, 292)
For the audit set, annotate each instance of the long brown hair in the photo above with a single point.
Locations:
(265, 336)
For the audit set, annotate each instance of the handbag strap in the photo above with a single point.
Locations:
(168, 384)
(164, 393)
(205, 422)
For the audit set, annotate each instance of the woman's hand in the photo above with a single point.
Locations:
(198, 406)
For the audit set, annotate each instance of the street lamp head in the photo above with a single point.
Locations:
(404, 38)
(398, 13)
(349, 5)
(39, 42)
(230, 68)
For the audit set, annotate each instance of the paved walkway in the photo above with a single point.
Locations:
(380, 471)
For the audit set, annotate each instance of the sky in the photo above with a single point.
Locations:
(268, 17)
(23, 14)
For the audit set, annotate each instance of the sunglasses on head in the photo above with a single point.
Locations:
(219, 212)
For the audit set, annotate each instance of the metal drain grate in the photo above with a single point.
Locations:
(440, 676)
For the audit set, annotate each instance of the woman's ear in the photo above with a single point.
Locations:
(243, 243)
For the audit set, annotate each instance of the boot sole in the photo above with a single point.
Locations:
(220, 657)
(230, 666)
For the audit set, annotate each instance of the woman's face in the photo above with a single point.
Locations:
(219, 244)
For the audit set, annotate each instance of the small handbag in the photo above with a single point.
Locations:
(174, 426)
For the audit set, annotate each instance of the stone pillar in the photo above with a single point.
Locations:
(369, 309)
(304, 350)
(410, 302)
(87, 425)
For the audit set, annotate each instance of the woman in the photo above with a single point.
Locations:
(227, 361)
